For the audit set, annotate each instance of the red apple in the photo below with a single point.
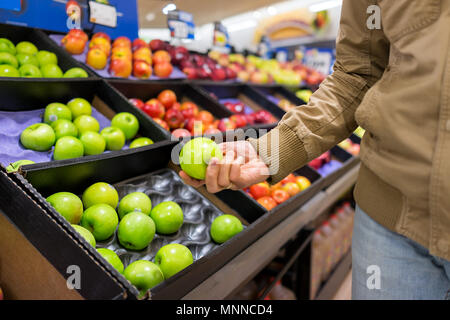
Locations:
(154, 108)
(78, 33)
(143, 54)
(122, 42)
(121, 53)
(157, 44)
(189, 109)
(174, 118)
(267, 202)
(139, 43)
(162, 123)
(226, 124)
(101, 35)
(263, 116)
(250, 118)
(176, 106)
(161, 56)
(205, 116)
(73, 45)
(163, 69)
(191, 73)
(102, 44)
(237, 107)
(138, 103)
(212, 131)
(218, 74)
(289, 178)
(142, 70)
(167, 98)
(120, 68)
(180, 132)
(178, 54)
(239, 120)
(259, 190)
(279, 195)
(194, 126)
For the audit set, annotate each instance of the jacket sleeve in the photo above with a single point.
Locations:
(307, 131)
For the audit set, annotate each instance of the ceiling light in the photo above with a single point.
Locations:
(150, 16)
(169, 7)
(325, 5)
(246, 24)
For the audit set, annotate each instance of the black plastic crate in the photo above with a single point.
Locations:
(17, 34)
(22, 97)
(277, 93)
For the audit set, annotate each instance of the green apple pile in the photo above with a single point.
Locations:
(74, 132)
(25, 60)
(95, 216)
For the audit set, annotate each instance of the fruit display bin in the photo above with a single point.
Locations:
(154, 175)
(277, 93)
(104, 73)
(17, 34)
(235, 92)
(24, 101)
(145, 90)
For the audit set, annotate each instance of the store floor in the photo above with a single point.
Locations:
(345, 291)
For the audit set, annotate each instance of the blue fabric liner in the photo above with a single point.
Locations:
(329, 167)
(12, 123)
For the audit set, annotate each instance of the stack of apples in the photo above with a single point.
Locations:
(98, 215)
(242, 119)
(74, 132)
(269, 196)
(142, 59)
(99, 51)
(25, 60)
(181, 118)
(350, 146)
(121, 64)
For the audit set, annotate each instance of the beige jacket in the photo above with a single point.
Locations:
(395, 83)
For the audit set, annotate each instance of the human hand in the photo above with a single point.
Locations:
(240, 167)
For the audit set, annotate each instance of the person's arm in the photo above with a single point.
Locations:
(307, 131)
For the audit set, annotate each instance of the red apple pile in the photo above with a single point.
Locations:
(121, 64)
(241, 119)
(269, 196)
(142, 59)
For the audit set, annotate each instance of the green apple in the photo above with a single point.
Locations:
(45, 57)
(86, 123)
(93, 143)
(140, 142)
(8, 58)
(51, 71)
(13, 167)
(85, 233)
(26, 47)
(79, 107)
(24, 59)
(114, 137)
(135, 201)
(168, 217)
(144, 275)
(68, 205)
(7, 46)
(68, 148)
(136, 230)
(225, 227)
(196, 154)
(56, 111)
(75, 73)
(8, 71)
(112, 258)
(30, 71)
(100, 192)
(38, 137)
(63, 128)
(101, 220)
(127, 122)
(172, 258)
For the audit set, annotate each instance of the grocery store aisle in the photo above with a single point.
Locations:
(345, 291)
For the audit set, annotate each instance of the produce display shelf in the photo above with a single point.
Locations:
(253, 259)
(331, 286)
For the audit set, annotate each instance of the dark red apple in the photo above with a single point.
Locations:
(250, 118)
(157, 44)
(162, 123)
(263, 116)
(218, 74)
(191, 73)
(189, 109)
(139, 43)
(239, 120)
(174, 118)
(180, 132)
(226, 124)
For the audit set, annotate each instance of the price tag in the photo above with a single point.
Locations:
(103, 14)
(179, 29)
(320, 59)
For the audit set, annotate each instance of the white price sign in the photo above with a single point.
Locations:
(102, 14)
(180, 29)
